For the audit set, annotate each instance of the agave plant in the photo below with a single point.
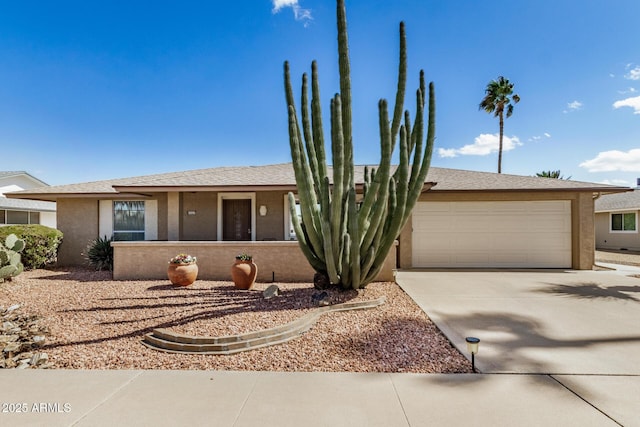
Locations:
(99, 254)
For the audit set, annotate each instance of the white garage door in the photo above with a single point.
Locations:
(492, 234)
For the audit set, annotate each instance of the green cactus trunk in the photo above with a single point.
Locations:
(343, 236)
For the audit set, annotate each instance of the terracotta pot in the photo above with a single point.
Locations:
(244, 274)
(182, 274)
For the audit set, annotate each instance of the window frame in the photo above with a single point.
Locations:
(31, 217)
(634, 213)
(115, 232)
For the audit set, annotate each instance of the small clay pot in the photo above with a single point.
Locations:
(182, 274)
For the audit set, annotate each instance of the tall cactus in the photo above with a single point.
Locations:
(344, 234)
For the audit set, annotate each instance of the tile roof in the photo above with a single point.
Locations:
(619, 202)
(4, 174)
(7, 174)
(27, 205)
(282, 175)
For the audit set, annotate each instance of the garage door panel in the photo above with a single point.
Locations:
(492, 234)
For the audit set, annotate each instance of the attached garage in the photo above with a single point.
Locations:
(492, 234)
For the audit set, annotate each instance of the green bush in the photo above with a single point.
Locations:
(99, 253)
(41, 243)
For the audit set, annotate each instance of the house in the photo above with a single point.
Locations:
(463, 219)
(17, 211)
(617, 220)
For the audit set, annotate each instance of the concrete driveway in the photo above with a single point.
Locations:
(578, 329)
(546, 322)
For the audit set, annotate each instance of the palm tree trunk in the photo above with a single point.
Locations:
(500, 146)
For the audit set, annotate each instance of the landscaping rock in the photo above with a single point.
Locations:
(321, 299)
(271, 291)
(20, 336)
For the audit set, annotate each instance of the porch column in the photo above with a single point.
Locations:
(173, 216)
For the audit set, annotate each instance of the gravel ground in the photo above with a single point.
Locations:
(618, 257)
(97, 323)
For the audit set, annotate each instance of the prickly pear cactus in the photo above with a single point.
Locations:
(10, 259)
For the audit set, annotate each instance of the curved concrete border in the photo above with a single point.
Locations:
(171, 342)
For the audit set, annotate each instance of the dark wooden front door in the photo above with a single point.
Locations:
(236, 219)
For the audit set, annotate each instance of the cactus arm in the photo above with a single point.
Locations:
(381, 176)
(417, 135)
(306, 193)
(308, 132)
(354, 233)
(401, 188)
(331, 257)
(338, 174)
(418, 181)
(345, 88)
(346, 258)
(316, 118)
(402, 83)
(315, 262)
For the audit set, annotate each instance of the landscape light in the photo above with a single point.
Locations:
(472, 346)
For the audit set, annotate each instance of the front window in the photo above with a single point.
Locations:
(128, 220)
(19, 217)
(624, 222)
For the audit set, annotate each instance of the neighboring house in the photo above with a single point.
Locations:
(617, 221)
(464, 219)
(15, 211)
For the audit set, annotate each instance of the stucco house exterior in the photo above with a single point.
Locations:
(22, 211)
(464, 219)
(617, 221)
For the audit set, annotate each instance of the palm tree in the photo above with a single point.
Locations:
(498, 97)
(551, 174)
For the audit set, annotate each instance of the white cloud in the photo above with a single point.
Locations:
(573, 106)
(633, 74)
(614, 160)
(299, 13)
(447, 152)
(629, 102)
(483, 145)
(630, 90)
(539, 137)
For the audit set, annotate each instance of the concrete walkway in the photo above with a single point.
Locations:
(201, 398)
(557, 349)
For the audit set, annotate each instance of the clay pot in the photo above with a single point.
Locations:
(182, 274)
(244, 274)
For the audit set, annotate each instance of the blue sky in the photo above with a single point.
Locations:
(108, 89)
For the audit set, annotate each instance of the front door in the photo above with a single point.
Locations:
(236, 219)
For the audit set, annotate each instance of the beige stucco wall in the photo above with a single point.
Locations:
(78, 221)
(270, 226)
(583, 232)
(582, 219)
(605, 239)
(203, 225)
(282, 260)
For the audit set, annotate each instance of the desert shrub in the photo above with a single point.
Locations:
(41, 243)
(99, 254)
